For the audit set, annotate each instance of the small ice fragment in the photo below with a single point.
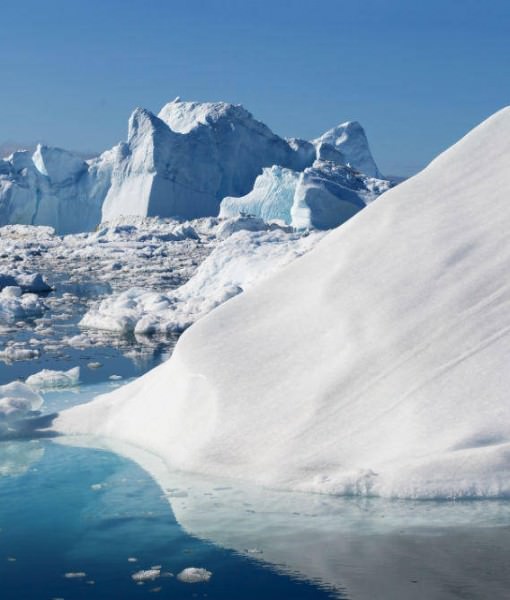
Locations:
(94, 365)
(77, 575)
(48, 379)
(146, 575)
(194, 575)
(132, 559)
(96, 486)
(115, 377)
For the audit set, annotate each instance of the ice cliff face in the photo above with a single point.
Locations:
(322, 196)
(52, 187)
(181, 163)
(185, 161)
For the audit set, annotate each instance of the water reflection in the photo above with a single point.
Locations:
(79, 523)
(366, 548)
(16, 458)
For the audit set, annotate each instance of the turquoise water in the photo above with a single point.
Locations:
(72, 510)
(99, 518)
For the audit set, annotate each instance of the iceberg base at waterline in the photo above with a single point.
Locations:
(373, 365)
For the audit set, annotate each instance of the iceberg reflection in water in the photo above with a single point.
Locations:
(87, 524)
(359, 548)
(84, 506)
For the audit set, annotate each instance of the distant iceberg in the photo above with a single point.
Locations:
(179, 164)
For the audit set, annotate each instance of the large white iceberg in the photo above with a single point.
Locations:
(376, 364)
(178, 164)
(185, 160)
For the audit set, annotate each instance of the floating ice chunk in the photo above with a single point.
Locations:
(270, 199)
(146, 575)
(194, 575)
(75, 575)
(47, 379)
(236, 264)
(16, 396)
(14, 305)
(18, 402)
(33, 282)
(14, 352)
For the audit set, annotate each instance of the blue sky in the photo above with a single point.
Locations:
(417, 75)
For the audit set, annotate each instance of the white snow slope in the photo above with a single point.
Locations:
(376, 364)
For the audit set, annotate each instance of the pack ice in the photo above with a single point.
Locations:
(181, 164)
(376, 364)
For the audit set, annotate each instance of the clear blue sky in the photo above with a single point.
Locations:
(416, 74)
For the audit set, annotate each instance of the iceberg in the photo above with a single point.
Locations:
(323, 196)
(52, 187)
(349, 139)
(180, 163)
(373, 365)
(270, 199)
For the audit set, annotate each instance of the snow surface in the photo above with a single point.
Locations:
(373, 365)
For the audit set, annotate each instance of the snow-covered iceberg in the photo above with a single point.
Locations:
(185, 160)
(350, 140)
(375, 364)
(180, 164)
